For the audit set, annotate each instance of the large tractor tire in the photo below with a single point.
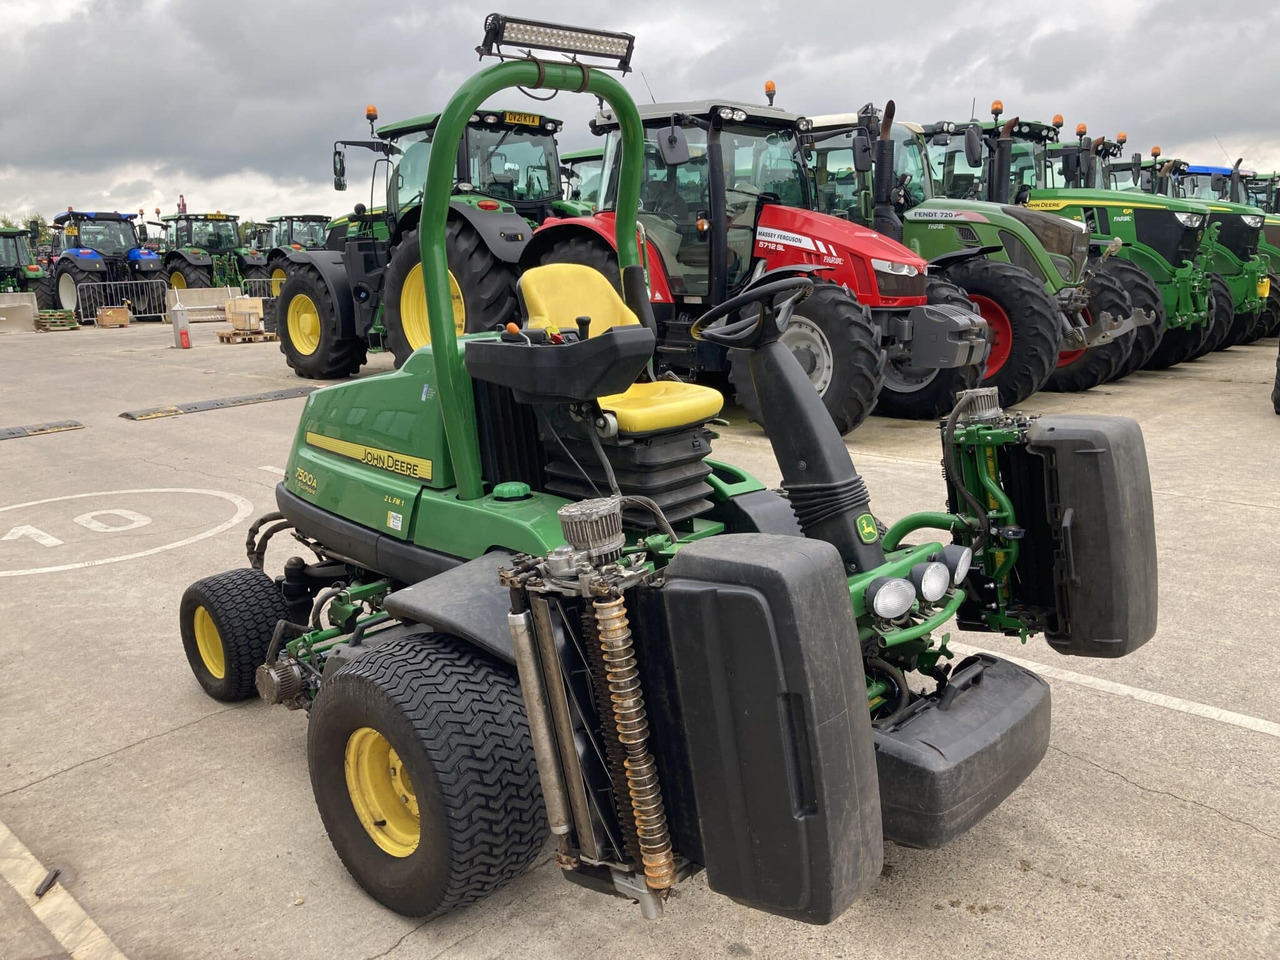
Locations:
(483, 289)
(226, 622)
(1271, 310)
(838, 346)
(182, 275)
(66, 278)
(252, 276)
(307, 326)
(424, 776)
(1180, 345)
(1222, 308)
(1243, 323)
(46, 292)
(1079, 370)
(1145, 296)
(1025, 332)
(916, 394)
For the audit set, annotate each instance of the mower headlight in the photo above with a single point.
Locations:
(1250, 220)
(958, 560)
(890, 597)
(1192, 220)
(931, 580)
(893, 267)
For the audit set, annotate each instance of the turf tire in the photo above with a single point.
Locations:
(938, 396)
(457, 721)
(1097, 365)
(488, 284)
(335, 357)
(245, 606)
(1033, 317)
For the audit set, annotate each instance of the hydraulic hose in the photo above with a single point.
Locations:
(957, 474)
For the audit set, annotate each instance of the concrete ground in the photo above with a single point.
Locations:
(185, 828)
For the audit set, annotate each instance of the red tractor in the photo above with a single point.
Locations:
(725, 205)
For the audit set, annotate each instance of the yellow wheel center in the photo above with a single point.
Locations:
(278, 277)
(304, 324)
(209, 643)
(177, 281)
(413, 308)
(381, 793)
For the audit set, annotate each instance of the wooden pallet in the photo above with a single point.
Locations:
(49, 320)
(246, 336)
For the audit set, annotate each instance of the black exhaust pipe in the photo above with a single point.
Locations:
(885, 218)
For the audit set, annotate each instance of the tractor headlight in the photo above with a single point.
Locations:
(958, 560)
(740, 115)
(490, 118)
(805, 124)
(890, 597)
(1192, 220)
(1250, 220)
(893, 267)
(931, 580)
(726, 113)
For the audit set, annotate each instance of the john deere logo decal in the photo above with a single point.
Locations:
(867, 528)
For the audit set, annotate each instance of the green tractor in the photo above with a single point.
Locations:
(967, 242)
(205, 250)
(1165, 277)
(581, 173)
(1014, 167)
(19, 271)
(1242, 274)
(364, 290)
(537, 606)
(1263, 191)
(304, 231)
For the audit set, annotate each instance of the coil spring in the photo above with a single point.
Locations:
(615, 753)
(633, 732)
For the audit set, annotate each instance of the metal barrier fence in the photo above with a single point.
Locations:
(144, 298)
(262, 288)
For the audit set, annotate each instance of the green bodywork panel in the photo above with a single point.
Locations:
(1243, 277)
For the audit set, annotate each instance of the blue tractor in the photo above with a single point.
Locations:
(102, 263)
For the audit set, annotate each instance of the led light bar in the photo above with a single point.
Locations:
(500, 30)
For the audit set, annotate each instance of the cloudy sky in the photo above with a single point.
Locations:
(122, 104)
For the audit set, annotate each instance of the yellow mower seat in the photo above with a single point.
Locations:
(558, 293)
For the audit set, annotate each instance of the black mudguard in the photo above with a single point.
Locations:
(328, 263)
(195, 259)
(506, 234)
(467, 601)
(945, 260)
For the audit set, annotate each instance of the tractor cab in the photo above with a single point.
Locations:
(299, 232)
(580, 175)
(206, 232)
(20, 272)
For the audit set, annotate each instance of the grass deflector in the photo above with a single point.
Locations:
(536, 605)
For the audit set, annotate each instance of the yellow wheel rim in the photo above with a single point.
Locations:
(381, 792)
(177, 281)
(209, 643)
(304, 325)
(413, 308)
(278, 277)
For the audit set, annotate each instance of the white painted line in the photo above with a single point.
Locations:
(276, 470)
(57, 909)
(1256, 724)
(243, 509)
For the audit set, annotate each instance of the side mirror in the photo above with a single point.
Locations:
(1217, 181)
(339, 170)
(863, 159)
(33, 230)
(973, 146)
(142, 232)
(1023, 195)
(673, 147)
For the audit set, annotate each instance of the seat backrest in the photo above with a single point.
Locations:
(558, 293)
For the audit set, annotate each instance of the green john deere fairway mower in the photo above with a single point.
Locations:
(968, 243)
(364, 291)
(536, 605)
(205, 250)
(19, 270)
(1105, 323)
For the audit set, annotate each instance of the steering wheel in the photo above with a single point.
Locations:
(751, 331)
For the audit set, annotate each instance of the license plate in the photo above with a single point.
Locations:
(528, 119)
